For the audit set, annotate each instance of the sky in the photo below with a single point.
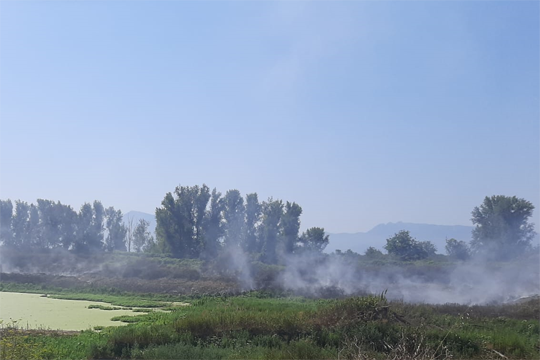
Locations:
(362, 112)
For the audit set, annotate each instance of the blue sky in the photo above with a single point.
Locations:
(362, 112)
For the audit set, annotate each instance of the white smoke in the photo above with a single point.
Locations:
(473, 282)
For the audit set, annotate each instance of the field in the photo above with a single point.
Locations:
(259, 325)
(222, 321)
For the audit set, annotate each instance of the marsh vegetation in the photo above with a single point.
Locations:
(262, 325)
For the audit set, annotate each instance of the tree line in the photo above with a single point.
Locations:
(50, 225)
(194, 222)
(502, 232)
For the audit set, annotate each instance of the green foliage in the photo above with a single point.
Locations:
(50, 225)
(502, 230)
(253, 215)
(180, 221)
(116, 230)
(272, 211)
(290, 226)
(314, 240)
(233, 214)
(457, 250)
(405, 247)
(373, 253)
(6, 218)
(142, 239)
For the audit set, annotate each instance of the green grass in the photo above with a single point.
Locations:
(258, 326)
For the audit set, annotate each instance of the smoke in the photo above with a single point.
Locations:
(234, 264)
(238, 262)
(46, 261)
(474, 282)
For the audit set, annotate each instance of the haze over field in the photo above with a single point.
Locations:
(362, 112)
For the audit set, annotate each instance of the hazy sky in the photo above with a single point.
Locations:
(361, 112)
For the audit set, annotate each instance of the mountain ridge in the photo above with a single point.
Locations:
(376, 237)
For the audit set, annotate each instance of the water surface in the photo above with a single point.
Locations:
(34, 312)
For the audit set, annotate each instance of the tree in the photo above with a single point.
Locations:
(142, 238)
(290, 226)
(6, 218)
(457, 250)
(180, 221)
(406, 248)
(56, 224)
(89, 228)
(373, 253)
(272, 210)
(502, 230)
(213, 226)
(427, 247)
(49, 223)
(130, 229)
(116, 230)
(233, 213)
(19, 223)
(202, 197)
(253, 215)
(68, 226)
(314, 240)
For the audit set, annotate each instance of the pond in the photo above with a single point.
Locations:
(33, 311)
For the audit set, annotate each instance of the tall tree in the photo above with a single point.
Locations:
(272, 210)
(253, 215)
(90, 228)
(6, 218)
(167, 231)
(68, 227)
(141, 236)
(20, 223)
(130, 229)
(290, 226)
(180, 220)
(199, 207)
(213, 226)
(32, 231)
(233, 213)
(116, 230)
(186, 220)
(502, 229)
(50, 223)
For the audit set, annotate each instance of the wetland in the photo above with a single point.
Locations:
(35, 311)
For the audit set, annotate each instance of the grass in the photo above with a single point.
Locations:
(275, 324)
(258, 326)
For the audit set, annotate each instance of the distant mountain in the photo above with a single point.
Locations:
(135, 216)
(376, 237)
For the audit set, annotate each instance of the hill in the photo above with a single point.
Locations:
(376, 237)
